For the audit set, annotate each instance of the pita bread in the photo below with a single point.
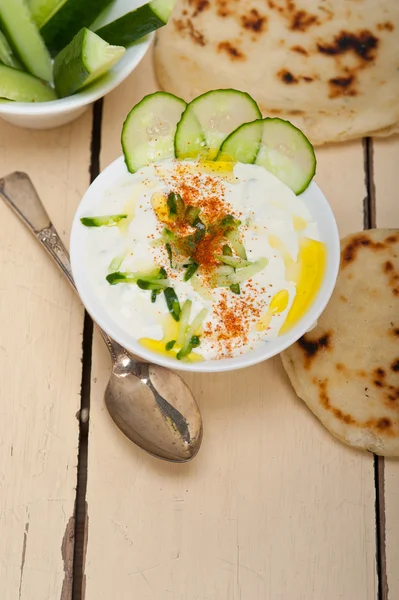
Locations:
(330, 67)
(347, 369)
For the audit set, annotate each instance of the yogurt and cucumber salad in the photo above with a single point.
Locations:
(204, 249)
(51, 49)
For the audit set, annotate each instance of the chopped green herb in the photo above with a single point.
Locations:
(106, 220)
(195, 341)
(191, 270)
(227, 251)
(170, 255)
(175, 205)
(152, 284)
(192, 213)
(170, 345)
(173, 303)
(235, 288)
(154, 295)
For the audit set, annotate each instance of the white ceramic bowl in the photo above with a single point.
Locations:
(318, 207)
(45, 115)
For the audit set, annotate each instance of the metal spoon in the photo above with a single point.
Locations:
(151, 405)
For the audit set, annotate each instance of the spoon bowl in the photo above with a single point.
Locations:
(150, 404)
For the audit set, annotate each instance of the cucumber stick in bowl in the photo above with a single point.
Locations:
(209, 119)
(68, 20)
(17, 24)
(131, 26)
(22, 87)
(43, 10)
(84, 60)
(6, 54)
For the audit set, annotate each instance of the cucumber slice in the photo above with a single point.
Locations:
(243, 144)
(22, 87)
(24, 38)
(83, 61)
(43, 10)
(135, 24)
(218, 113)
(149, 130)
(6, 55)
(287, 153)
(68, 19)
(278, 146)
(190, 140)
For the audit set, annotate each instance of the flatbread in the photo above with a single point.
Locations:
(331, 67)
(347, 369)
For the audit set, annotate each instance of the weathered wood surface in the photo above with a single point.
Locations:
(40, 370)
(386, 180)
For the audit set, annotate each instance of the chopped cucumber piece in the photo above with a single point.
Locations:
(226, 276)
(84, 60)
(119, 277)
(243, 144)
(250, 271)
(191, 338)
(235, 240)
(184, 319)
(23, 87)
(156, 275)
(116, 262)
(43, 10)
(149, 130)
(6, 55)
(210, 118)
(68, 19)
(105, 220)
(233, 261)
(278, 146)
(136, 24)
(24, 38)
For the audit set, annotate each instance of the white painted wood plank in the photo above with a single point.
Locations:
(40, 370)
(273, 508)
(386, 179)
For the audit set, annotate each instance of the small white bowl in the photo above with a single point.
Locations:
(321, 211)
(46, 115)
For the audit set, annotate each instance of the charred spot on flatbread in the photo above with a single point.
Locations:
(186, 27)
(363, 44)
(395, 366)
(231, 50)
(311, 348)
(362, 240)
(254, 21)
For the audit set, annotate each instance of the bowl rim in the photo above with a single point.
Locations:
(247, 359)
(86, 96)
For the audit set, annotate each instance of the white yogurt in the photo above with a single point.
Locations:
(269, 211)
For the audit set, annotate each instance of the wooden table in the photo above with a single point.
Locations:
(273, 508)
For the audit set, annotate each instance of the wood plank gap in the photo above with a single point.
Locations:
(369, 203)
(379, 479)
(81, 513)
(370, 222)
